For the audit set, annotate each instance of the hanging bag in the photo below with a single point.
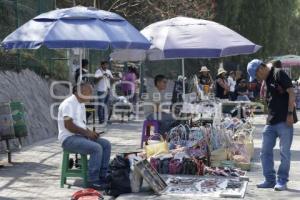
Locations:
(155, 147)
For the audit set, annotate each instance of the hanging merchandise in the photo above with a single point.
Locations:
(217, 156)
(197, 143)
(179, 135)
(177, 95)
(189, 167)
(175, 166)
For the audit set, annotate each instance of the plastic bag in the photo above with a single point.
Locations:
(156, 147)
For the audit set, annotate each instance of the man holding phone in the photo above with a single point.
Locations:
(77, 138)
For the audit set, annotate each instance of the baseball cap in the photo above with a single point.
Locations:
(252, 67)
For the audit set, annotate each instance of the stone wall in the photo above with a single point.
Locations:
(34, 92)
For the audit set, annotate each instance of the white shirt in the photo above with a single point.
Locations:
(231, 83)
(71, 108)
(103, 83)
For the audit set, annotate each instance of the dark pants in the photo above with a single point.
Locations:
(165, 121)
(232, 96)
(103, 108)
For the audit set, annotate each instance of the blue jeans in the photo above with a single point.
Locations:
(99, 151)
(270, 134)
(243, 98)
(103, 98)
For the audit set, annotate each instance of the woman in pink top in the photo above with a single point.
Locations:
(128, 82)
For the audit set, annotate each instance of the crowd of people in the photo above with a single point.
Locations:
(230, 85)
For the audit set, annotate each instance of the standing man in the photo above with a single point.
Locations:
(280, 120)
(102, 78)
(77, 138)
(231, 83)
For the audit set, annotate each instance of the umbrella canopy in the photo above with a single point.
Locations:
(77, 27)
(184, 37)
(288, 60)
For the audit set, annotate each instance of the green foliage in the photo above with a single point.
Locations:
(14, 13)
(267, 22)
(274, 24)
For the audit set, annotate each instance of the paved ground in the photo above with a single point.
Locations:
(35, 171)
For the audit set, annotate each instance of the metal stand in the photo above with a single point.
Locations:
(8, 151)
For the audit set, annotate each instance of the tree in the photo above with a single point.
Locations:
(144, 12)
(294, 35)
(263, 22)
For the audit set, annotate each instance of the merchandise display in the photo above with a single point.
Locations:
(188, 185)
(204, 157)
(195, 186)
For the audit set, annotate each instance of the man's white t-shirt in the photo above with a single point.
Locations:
(103, 83)
(231, 84)
(71, 108)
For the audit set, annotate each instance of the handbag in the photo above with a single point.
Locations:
(175, 166)
(200, 167)
(164, 166)
(200, 150)
(189, 167)
(156, 148)
(154, 162)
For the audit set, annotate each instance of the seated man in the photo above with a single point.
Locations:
(157, 99)
(242, 91)
(76, 137)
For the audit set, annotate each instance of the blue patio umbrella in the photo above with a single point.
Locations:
(76, 27)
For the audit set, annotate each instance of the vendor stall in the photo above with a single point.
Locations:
(208, 154)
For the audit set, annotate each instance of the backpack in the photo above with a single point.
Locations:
(87, 194)
(118, 179)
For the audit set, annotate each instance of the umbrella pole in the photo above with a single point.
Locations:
(80, 64)
(183, 82)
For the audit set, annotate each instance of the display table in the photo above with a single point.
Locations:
(228, 106)
(198, 111)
